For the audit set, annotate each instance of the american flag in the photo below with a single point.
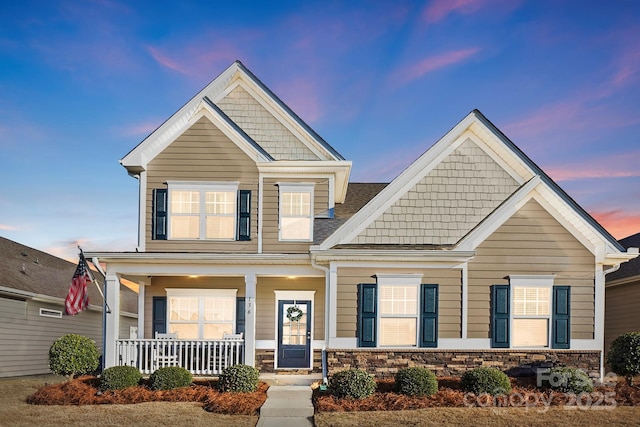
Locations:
(78, 299)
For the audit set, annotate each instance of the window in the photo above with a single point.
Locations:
(296, 212)
(201, 313)
(398, 315)
(531, 316)
(530, 312)
(397, 311)
(202, 211)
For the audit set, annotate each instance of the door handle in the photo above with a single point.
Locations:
(308, 335)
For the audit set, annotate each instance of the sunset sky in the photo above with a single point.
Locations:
(83, 82)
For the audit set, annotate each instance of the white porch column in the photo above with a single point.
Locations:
(141, 290)
(598, 320)
(250, 320)
(112, 319)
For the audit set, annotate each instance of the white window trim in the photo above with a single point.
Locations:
(202, 187)
(385, 279)
(531, 281)
(294, 187)
(201, 294)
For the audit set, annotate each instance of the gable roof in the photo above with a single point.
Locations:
(137, 159)
(30, 273)
(477, 127)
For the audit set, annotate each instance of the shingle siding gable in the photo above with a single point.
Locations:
(446, 204)
(263, 127)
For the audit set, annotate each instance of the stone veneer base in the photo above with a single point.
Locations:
(383, 363)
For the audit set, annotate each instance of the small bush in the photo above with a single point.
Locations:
(239, 379)
(624, 356)
(119, 377)
(170, 377)
(486, 380)
(569, 380)
(72, 355)
(352, 383)
(416, 381)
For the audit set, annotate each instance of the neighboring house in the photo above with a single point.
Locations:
(248, 223)
(33, 286)
(622, 306)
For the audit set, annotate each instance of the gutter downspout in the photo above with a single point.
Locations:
(327, 307)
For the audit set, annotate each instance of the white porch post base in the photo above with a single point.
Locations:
(112, 323)
(250, 320)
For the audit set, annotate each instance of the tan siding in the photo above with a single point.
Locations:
(449, 297)
(202, 153)
(160, 284)
(271, 243)
(266, 303)
(532, 242)
(25, 339)
(621, 311)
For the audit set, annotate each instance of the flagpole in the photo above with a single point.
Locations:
(93, 279)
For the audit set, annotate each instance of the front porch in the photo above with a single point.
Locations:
(200, 357)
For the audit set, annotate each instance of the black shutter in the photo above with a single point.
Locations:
(244, 215)
(159, 215)
(367, 310)
(159, 316)
(240, 316)
(428, 315)
(560, 318)
(500, 316)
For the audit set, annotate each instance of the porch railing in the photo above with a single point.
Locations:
(200, 357)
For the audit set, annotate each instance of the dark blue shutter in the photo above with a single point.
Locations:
(159, 316)
(428, 315)
(560, 319)
(367, 310)
(500, 316)
(159, 215)
(244, 215)
(240, 316)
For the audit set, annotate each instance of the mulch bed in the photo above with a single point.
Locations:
(450, 394)
(86, 391)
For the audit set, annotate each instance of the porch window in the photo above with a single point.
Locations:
(201, 313)
(398, 315)
(202, 211)
(296, 212)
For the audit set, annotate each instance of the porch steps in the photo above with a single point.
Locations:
(288, 405)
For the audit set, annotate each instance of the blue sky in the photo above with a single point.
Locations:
(83, 82)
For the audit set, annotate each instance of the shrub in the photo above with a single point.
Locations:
(569, 380)
(486, 380)
(72, 355)
(239, 379)
(624, 356)
(119, 377)
(170, 377)
(416, 381)
(352, 383)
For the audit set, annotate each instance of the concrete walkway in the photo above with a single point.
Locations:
(287, 405)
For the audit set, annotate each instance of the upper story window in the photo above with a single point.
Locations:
(201, 211)
(296, 212)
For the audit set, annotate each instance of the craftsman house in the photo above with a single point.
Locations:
(623, 297)
(33, 286)
(255, 248)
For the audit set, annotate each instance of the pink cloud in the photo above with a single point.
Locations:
(167, 62)
(7, 227)
(414, 71)
(623, 165)
(301, 95)
(617, 222)
(437, 10)
(141, 129)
